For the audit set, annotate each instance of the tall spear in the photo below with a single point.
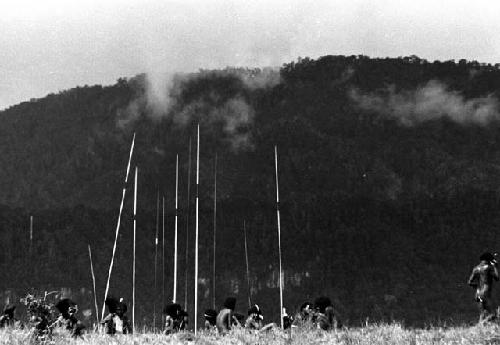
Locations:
(248, 269)
(93, 285)
(163, 253)
(197, 234)
(174, 299)
(117, 231)
(30, 258)
(279, 232)
(156, 255)
(31, 236)
(133, 264)
(187, 226)
(215, 231)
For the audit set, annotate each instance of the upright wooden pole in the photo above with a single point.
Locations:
(197, 234)
(133, 264)
(215, 231)
(93, 286)
(188, 214)
(279, 233)
(117, 231)
(163, 253)
(31, 235)
(156, 257)
(174, 299)
(31, 272)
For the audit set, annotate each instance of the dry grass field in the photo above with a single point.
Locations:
(371, 334)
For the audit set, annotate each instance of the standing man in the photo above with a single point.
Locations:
(481, 279)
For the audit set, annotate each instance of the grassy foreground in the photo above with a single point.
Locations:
(372, 334)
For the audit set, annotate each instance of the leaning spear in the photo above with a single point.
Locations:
(248, 268)
(117, 231)
(93, 285)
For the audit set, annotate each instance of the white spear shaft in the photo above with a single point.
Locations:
(133, 264)
(31, 233)
(215, 231)
(188, 213)
(93, 285)
(248, 268)
(156, 257)
(197, 234)
(174, 299)
(279, 233)
(163, 253)
(117, 231)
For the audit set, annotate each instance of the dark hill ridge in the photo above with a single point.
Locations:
(389, 178)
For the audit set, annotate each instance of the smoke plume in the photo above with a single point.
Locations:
(234, 116)
(162, 98)
(429, 102)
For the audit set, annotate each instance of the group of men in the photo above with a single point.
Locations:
(321, 315)
(43, 318)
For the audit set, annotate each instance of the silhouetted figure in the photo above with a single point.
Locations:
(306, 315)
(210, 319)
(481, 279)
(173, 318)
(254, 319)
(183, 320)
(67, 319)
(224, 319)
(7, 319)
(116, 322)
(287, 320)
(326, 317)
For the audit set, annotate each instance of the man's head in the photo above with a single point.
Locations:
(9, 311)
(487, 256)
(210, 315)
(230, 303)
(321, 303)
(255, 312)
(121, 308)
(306, 308)
(66, 307)
(173, 310)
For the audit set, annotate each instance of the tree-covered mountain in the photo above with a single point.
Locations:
(389, 184)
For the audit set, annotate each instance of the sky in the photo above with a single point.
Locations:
(52, 45)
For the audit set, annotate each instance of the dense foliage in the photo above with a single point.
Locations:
(385, 216)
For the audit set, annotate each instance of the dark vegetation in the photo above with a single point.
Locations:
(386, 219)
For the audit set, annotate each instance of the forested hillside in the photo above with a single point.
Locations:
(389, 184)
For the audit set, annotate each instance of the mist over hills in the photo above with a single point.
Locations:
(389, 183)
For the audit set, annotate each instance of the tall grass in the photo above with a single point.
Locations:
(371, 334)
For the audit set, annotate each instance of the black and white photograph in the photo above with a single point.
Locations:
(249, 172)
